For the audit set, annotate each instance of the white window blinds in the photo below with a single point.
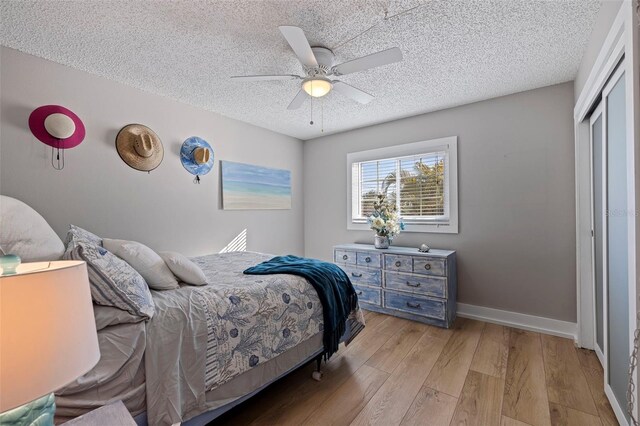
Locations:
(417, 184)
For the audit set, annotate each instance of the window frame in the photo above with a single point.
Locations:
(448, 144)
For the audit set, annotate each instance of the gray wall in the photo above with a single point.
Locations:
(515, 157)
(516, 246)
(606, 16)
(98, 191)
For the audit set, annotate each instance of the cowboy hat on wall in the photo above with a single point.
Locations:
(196, 156)
(139, 147)
(58, 127)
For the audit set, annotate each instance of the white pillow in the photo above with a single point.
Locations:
(187, 271)
(144, 260)
(25, 233)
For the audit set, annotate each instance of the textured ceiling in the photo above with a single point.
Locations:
(455, 52)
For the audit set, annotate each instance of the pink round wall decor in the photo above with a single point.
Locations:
(36, 124)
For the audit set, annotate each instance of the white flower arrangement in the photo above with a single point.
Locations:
(385, 220)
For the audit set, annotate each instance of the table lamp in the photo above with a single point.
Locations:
(47, 337)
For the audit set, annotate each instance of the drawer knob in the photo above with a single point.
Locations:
(413, 305)
(345, 257)
(367, 259)
(410, 284)
(353, 274)
(398, 263)
(427, 266)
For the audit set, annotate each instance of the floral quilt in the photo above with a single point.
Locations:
(225, 328)
(252, 318)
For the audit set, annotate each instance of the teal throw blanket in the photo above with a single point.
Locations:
(334, 288)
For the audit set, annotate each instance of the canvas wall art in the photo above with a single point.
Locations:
(249, 187)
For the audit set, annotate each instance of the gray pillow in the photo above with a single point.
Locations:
(25, 233)
(186, 271)
(113, 281)
(144, 260)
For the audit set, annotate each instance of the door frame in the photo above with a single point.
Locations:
(598, 112)
(620, 41)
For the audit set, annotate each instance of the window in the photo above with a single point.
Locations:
(420, 178)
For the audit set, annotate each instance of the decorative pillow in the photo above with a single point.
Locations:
(77, 234)
(113, 281)
(144, 260)
(25, 233)
(186, 271)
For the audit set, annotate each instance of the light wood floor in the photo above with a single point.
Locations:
(400, 372)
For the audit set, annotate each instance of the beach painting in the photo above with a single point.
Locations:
(249, 187)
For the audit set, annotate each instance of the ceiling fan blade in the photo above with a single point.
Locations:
(298, 100)
(265, 77)
(384, 57)
(352, 92)
(300, 45)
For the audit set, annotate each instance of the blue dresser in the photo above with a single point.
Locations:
(402, 281)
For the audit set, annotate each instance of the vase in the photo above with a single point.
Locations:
(381, 242)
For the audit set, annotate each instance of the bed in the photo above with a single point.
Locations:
(206, 349)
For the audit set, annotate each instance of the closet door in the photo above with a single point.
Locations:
(617, 249)
(598, 189)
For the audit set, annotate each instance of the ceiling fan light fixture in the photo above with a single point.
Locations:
(317, 86)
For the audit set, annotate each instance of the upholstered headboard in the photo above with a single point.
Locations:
(25, 233)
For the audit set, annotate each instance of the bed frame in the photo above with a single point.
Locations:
(206, 417)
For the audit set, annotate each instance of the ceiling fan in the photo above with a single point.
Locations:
(319, 64)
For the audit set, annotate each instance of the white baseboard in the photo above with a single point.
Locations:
(521, 321)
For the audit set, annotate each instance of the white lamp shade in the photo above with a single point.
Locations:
(47, 330)
(317, 87)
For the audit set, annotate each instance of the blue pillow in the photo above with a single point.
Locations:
(113, 281)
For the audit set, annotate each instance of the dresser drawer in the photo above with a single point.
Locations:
(372, 260)
(368, 295)
(431, 286)
(422, 305)
(429, 266)
(364, 276)
(394, 262)
(345, 256)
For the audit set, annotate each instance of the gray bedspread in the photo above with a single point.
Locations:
(199, 339)
(119, 375)
(222, 329)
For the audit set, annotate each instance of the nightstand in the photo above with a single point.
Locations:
(113, 414)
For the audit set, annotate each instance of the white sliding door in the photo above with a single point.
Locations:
(617, 259)
(610, 248)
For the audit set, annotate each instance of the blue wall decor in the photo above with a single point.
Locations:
(188, 160)
(248, 187)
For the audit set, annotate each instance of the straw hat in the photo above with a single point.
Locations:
(139, 147)
(196, 156)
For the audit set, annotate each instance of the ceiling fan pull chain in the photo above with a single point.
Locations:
(311, 122)
(322, 115)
